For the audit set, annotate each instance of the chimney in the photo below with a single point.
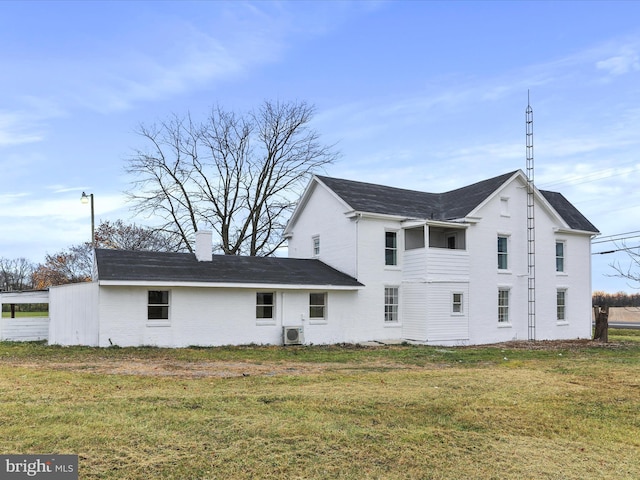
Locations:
(204, 245)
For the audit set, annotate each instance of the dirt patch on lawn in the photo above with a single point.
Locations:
(164, 366)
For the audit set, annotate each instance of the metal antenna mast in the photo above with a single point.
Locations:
(531, 226)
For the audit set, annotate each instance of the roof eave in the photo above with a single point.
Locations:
(253, 286)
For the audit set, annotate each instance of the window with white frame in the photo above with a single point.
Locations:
(503, 262)
(391, 303)
(158, 305)
(559, 256)
(317, 306)
(561, 305)
(265, 305)
(456, 303)
(390, 248)
(316, 245)
(503, 305)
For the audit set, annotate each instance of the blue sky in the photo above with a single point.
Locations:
(422, 95)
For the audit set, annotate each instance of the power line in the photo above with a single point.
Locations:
(625, 249)
(599, 175)
(614, 239)
(618, 234)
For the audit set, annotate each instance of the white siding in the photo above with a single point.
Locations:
(485, 277)
(209, 316)
(415, 264)
(414, 311)
(324, 216)
(444, 325)
(73, 313)
(445, 264)
(24, 329)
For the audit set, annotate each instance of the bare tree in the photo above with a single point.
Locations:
(121, 236)
(632, 270)
(239, 175)
(15, 274)
(68, 266)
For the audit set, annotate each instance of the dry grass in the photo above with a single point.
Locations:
(543, 411)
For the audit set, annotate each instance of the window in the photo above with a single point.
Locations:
(391, 304)
(559, 256)
(390, 248)
(451, 242)
(264, 305)
(316, 245)
(503, 306)
(158, 305)
(317, 306)
(456, 303)
(561, 305)
(502, 253)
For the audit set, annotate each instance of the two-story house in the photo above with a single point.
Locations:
(453, 267)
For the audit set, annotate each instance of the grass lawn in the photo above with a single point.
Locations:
(540, 410)
(25, 314)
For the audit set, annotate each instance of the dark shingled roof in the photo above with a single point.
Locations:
(455, 204)
(568, 212)
(124, 265)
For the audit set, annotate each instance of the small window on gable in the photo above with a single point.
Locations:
(158, 305)
(390, 248)
(264, 305)
(316, 245)
(559, 256)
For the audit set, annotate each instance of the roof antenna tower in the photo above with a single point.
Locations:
(531, 226)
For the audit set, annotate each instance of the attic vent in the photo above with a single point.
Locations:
(293, 335)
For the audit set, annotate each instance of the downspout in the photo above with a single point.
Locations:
(358, 216)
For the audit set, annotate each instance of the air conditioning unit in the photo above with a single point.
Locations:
(293, 335)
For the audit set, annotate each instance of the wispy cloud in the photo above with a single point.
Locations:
(17, 128)
(626, 61)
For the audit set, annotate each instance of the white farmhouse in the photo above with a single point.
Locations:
(452, 268)
(366, 262)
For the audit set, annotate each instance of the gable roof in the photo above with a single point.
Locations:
(568, 212)
(140, 266)
(451, 205)
(371, 198)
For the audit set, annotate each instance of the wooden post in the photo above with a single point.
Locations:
(601, 315)
(13, 310)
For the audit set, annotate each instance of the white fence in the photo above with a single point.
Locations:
(24, 329)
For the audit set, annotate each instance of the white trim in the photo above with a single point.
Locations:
(252, 286)
(462, 312)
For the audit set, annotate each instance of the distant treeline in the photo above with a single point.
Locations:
(620, 299)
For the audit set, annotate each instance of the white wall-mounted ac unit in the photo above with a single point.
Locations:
(293, 335)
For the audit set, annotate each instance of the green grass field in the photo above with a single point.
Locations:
(541, 410)
(26, 314)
